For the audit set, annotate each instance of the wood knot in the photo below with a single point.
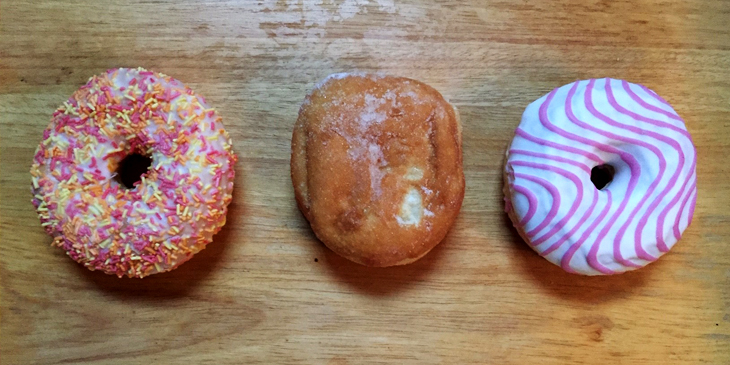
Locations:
(594, 326)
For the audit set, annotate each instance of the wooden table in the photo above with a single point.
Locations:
(266, 291)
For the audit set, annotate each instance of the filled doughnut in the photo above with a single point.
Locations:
(377, 167)
(600, 177)
(119, 225)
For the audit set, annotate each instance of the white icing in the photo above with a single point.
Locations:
(612, 131)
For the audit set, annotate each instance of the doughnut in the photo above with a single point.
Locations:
(377, 167)
(600, 177)
(177, 205)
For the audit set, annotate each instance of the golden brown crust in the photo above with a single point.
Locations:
(377, 167)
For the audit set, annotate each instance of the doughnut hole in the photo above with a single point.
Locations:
(602, 175)
(131, 169)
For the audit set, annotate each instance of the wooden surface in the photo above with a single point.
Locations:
(266, 291)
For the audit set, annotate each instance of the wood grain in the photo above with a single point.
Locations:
(266, 291)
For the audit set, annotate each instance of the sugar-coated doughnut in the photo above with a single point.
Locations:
(555, 193)
(165, 218)
(377, 167)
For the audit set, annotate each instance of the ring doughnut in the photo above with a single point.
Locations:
(600, 177)
(179, 203)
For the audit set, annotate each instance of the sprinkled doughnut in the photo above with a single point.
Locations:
(175, 208)
(600, 177)
(377, 167)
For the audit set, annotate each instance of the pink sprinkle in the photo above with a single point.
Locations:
(39, 156)
(162, 253)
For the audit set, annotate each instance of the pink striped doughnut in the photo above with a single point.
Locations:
(636, 217)
(162, 220)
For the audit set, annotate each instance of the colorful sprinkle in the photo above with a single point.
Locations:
(175, 208)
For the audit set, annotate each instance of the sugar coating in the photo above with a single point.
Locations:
(364, 148)
(411, 208)
(376, 167)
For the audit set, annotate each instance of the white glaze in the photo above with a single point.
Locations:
(631, 222)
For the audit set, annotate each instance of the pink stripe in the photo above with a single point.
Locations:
(648, 106)
(578, 225)
(626, 157)
(592, 256)
(677, 234)
(655, 96)
(532, 201)
(662, 168)
(640, 252)
(578, 184)
(662, 216)
(553, 192)
(557, 146)
(551, 157)
(692, 189)
(573, 207)
(692, 208)
(672, 180)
